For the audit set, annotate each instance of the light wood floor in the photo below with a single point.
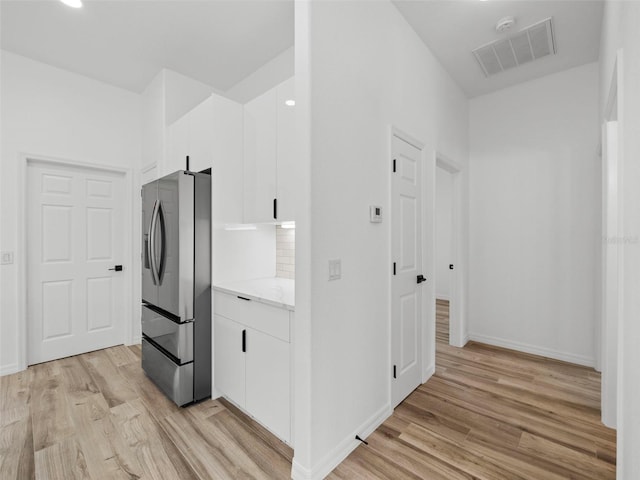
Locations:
(487, 413)
(490, 413)
(97, 416)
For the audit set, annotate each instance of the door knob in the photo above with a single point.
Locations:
(117, 268)
(421, 279)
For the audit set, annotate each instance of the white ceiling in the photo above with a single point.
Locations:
(126, 43)
(453, 28)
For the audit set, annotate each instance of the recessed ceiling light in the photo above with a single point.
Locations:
(290, 103)
(72, 3)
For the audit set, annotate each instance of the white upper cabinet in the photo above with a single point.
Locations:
(286, 154)
(177, 145)
(227, 171)
(269, 155)
(211, 135)
(260, 147)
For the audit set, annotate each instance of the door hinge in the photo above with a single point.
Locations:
(394, 372)
(394, 268)
(394, 165)
(275, 208)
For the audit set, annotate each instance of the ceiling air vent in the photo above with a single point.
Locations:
(529, 44)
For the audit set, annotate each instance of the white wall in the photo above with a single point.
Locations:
(535, 216)
(153, 124)
(620, 31)
(51, 112)
(444, 225)
(266, 77)
(182, 93)
(360, 68)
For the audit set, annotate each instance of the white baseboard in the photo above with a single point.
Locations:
(341, 451)
(533, 349)
(136, 340)
(9, 369)
(442, 297)
(431, 369)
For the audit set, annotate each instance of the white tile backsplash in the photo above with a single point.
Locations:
(285, 252)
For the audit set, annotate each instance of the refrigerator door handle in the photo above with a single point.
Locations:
(163, 250)
(145, 252)
(152, 243)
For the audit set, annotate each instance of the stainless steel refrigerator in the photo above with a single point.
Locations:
(176, 285)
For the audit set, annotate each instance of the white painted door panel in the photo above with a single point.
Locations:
(75, 235)
(406, 245)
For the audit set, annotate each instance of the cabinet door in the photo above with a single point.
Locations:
(227, 177)
(229, 359)
(201, 134)
(177, 146)
(260, 140)
(286, 171)
(268, 376)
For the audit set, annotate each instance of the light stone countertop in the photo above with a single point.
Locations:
(278, 292)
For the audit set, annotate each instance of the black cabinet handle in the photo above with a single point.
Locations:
(244, 341)
(244, 298)
(275, 208)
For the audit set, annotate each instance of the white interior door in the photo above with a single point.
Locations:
(406, 292)
(75, 236)
(612, 252)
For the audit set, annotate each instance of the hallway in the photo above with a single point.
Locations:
(491, 413)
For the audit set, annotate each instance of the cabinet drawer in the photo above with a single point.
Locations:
(175, 338)
(174, 380)
(264, 318)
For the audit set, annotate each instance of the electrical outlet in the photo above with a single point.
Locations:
(375, 214)
(335, 269)
(7, 258)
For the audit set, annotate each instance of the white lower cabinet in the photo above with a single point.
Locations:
(252, 360)
(267, 379)
(229, 359)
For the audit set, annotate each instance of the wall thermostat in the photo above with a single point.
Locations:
(375, 214)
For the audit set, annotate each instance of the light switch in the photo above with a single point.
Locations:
(335, 269)
(7, 258)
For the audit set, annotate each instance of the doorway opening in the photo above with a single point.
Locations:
(444, 263)
(448, 270)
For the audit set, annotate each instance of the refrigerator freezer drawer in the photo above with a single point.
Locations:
(174, 380)
(175, 338)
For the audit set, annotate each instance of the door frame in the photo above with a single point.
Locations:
(613, 111)
(130, 250)
(458, 334)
